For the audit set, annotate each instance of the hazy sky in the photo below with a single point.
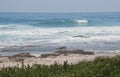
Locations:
(59, 5)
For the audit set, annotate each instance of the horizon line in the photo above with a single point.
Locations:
(66, 12)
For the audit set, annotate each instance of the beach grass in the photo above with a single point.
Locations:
(100, 67)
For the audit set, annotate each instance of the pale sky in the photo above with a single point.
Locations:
(59, 5)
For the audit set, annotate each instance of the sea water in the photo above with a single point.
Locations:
(45, 32)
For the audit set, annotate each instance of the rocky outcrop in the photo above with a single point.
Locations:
(62, 47)
(49, 55)
(16, 59)
(74, 52)
(66, 52)
(20, 57)
(23, 55)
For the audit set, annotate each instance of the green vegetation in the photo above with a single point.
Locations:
(101, 67)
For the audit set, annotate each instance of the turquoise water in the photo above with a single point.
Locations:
(40, 32)
(60, 19)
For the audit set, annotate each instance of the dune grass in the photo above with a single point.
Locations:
(100, 67)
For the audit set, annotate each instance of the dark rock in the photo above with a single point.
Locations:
(74, 52)
(81, 36)
(87, 53)
(62, 47)
(20, 57)
(23, 55)
(16, 59)
(48, 55)
(30, 46)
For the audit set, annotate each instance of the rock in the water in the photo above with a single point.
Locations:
(81, 36)
(62, 47)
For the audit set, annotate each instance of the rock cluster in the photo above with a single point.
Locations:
(67, 52)
(20, 57)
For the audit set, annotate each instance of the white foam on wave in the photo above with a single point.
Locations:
(31, 31)
(25, 31)
(82, 21)
(99, 36)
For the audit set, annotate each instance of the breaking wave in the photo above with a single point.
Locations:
(84, 37)
(81, 21)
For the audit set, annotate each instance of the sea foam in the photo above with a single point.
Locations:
(85, 37)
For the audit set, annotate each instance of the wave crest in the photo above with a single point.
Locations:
(81, 21)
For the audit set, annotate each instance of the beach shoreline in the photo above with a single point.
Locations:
(60, 56)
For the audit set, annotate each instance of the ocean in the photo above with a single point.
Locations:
(46, 32)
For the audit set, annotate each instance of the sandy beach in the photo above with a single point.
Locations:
(48, 59)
